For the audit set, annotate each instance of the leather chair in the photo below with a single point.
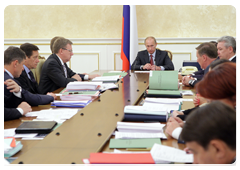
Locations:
(37, 70)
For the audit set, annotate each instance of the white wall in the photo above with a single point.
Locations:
(104, 54)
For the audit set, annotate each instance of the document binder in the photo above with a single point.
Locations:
(41, 127)
(163, 93)
(141, 117)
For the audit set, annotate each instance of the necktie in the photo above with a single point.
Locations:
(151, 60)
(65, 70)
(32, 77)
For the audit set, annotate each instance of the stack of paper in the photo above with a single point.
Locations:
(53, 114)
(154, 110)
(78, 104)
(161, 153)
(107, 86)
(79, 85)
(106, 79)
(140, 127)
(139, 130)
(80, 95)
(11, 146)
(122, 74)
(121, 158)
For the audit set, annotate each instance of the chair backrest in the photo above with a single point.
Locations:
(38, 69)
(169, 53)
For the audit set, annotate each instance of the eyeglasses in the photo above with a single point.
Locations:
(68, 50)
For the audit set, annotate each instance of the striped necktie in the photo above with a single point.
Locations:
(65, 70)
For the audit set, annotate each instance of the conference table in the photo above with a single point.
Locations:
(91, 128)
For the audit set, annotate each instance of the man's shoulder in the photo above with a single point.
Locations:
(143, 52)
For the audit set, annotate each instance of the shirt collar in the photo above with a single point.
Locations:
(60, 59)
(9, 73)
(230, 59)
(26, 69)
(153, 54)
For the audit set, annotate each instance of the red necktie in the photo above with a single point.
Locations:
(151, 60)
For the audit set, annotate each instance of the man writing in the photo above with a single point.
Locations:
(152, 58)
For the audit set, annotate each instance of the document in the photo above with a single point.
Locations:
(9, 132)
(163, 80)
(106, 78)
(152, 110)
(162, 100)
(79, 85)
(77, 104)
(122, 74)
(166, 107)
(128, 135)
(165, 153)
(79, 95)
(133, 143)
(140, 127)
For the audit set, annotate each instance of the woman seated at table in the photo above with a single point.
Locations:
(218, 84)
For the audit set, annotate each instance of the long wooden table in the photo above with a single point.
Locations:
(90, 129)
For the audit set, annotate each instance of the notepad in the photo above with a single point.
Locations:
(133, 143)
(42, 127)
(163, 80)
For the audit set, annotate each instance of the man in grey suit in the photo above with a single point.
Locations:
(152, 58)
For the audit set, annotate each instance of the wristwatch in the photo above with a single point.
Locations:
(191, 82)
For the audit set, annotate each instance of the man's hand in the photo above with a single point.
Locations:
(12, 85)
(186, 79)
(147, 66)
(153, 67)
(52, 94)
(77, 77)
(93, 76)
(175, 113)
(171, 125)
(25, 107)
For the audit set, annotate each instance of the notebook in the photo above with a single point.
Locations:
(42, 127)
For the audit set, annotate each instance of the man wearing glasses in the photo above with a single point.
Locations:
(55, 72)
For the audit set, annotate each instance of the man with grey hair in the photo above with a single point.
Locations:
(55, 72)
(227, 48)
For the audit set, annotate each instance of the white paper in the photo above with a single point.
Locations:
(166, 107)
(165, 153)
(162, 100)
(141, 71)
(9, 132)
(140, 127)
(26, 135)
(187, 93)
(106, 78)
(126, 135)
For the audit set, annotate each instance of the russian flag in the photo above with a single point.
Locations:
(129, 47)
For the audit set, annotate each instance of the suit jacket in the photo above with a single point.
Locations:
(11, 101)
(27, 84)
(52, 75)
(161, 58)
(234, 59)
(11, 113)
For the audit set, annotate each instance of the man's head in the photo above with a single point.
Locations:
(226, 47)
(151, 44)
(206, 53)
(210, 133)
(52, 42)
(63, 48)
(32, 54)
(14, 59)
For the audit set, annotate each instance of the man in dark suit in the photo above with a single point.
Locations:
(55, 72)
(227, 48)
(206, 54)
(152, 58)
(27, 79)
(14, 59)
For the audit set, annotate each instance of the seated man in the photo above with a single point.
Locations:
(55, 72)
(14, 59)
(210, 134)
(206, 54)
(152, 58)
(227, 48)
(22, 108)
(27, 79)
